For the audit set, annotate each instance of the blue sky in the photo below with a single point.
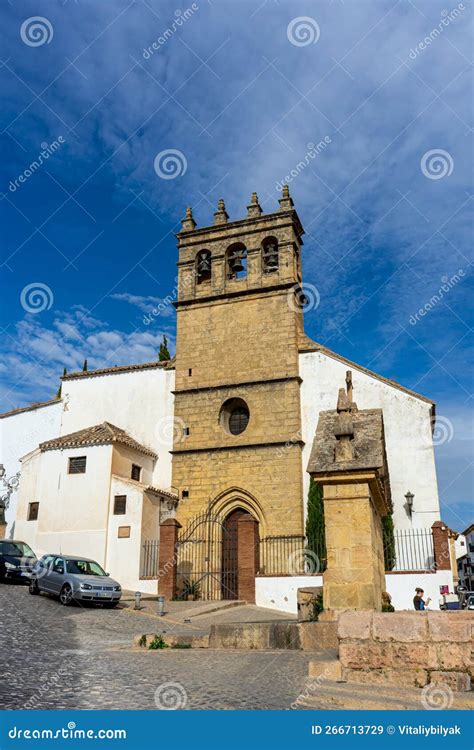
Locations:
(241, 89)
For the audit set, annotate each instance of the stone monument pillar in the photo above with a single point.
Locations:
(348, 460)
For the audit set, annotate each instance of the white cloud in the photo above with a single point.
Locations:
(34, 358)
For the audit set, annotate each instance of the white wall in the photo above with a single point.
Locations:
(73, 510)
(138, 401)
(401, 587)
(281, 592)
(410, 453)
(20, 434)
(124, 555)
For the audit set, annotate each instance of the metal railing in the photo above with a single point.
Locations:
(288, 555)
(413, 550)
(149, 566)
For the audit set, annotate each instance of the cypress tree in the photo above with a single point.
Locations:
(163, 354)
(60, 389)
(84, 366)
(388, 542)
(315, 532)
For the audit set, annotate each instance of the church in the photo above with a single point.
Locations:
(216, 442)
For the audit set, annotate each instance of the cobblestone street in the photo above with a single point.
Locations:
(69, 657)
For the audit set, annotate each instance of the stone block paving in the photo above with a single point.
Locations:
(54, 657)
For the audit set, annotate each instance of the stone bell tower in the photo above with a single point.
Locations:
(237, 441)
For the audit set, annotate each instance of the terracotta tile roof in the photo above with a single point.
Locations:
(100, 434)
(308, 345)
(168, 365)
(31, 407)
(164, 493)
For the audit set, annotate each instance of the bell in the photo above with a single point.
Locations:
(270, 256)
(235, 263)
(204, 265)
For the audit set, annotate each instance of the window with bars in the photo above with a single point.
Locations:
(238, 420)
(120, 505)
(77, 465)
(33, 509)
(136, 472)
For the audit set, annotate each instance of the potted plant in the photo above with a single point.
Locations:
(192, 590)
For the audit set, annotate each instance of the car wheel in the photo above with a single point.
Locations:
(110, 605)
(33, 587)
(65, 597)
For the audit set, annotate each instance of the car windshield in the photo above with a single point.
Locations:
(84, 568)
(16, 549)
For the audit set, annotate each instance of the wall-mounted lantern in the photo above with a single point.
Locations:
(409, 502)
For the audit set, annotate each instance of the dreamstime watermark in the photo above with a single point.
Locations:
(180, 18)
(304, 297)
(36, 31)
(443, 430)
(294, 440)
(71, 732)
(170, 430)
(303, 562)
(46, 150)
(179, 287)
(36, 297)
(303, 31)
(448, 282)
(436, 164)
(170, 696)
(447, 18)
(314, 149)
(170, 163)
(309, 690)
(437, 697)
(35, 701)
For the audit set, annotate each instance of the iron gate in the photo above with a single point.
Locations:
(199, 551)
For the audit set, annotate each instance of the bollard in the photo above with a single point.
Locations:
(161, 605)
(138, 596)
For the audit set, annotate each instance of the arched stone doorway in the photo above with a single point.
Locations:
(240, 555)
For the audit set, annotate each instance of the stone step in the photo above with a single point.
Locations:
(328, 694)
(305, 636)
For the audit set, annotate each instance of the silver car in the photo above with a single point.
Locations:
(74, 579)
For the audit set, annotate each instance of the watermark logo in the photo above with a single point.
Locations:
(447, 18)
(170, 696)
(36, 31)
(437, 697)
(304, 297)
(443, 430)
(47, 149)
(303, 31)
(180, 18)
(170, 430)
(170, 163)
(436, 164)
(314, 149)
(303, 561)
(36, 297)
(448, 282)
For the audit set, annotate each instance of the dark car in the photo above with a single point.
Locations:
(16, 560)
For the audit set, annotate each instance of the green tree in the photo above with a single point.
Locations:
(315, 531)
(163, 354)
(60, 389)
(388, 542)
(84, 366)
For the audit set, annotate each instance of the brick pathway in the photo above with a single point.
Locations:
(69, 657)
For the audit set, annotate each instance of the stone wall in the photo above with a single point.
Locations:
(407, 648)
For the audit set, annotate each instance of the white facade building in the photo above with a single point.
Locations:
(77, 512)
